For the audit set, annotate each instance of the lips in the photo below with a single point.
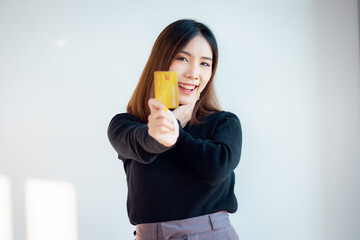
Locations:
(187, 88)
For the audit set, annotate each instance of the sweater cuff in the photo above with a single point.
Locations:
(153, 146)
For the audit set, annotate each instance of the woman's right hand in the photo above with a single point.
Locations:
(163, 126)
(184, 112)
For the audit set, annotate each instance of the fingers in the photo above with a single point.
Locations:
(155, 104)
(160, 123)
(156, 132)
(160, 117)
(160, 114)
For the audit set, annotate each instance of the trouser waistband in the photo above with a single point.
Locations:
(165, 230)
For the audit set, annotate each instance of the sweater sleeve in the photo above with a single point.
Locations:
(216, 158)
(130, 139)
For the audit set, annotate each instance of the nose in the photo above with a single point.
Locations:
(193, 71)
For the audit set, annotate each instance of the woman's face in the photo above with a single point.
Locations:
(193, 65)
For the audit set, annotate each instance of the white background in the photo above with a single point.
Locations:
(288, 68)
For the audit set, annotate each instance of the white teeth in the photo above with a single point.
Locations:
(189, 87)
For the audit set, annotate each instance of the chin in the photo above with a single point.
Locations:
(183, 101)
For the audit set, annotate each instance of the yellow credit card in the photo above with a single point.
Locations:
(166, 88)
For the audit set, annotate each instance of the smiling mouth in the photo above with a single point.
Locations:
(187, 88)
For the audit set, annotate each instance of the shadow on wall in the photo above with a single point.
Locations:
(50, 210)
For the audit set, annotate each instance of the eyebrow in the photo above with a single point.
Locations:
(189, 54)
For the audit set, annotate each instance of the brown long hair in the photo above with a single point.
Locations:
(170, 42)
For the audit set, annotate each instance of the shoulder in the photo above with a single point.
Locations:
(124, 120)
(124, 117)
(221, 121)
(223, 116)
(225, 127)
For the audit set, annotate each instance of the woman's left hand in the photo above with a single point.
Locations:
(184, 112)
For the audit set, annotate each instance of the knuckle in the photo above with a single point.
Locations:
(149, 118)
(164, 129)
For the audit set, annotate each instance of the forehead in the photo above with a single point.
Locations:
(198, 46)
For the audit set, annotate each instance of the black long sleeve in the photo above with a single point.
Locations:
(129, 137)
(216, 158)
(192, 178)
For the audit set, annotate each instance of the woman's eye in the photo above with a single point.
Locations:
(205, 64)
(182, 59)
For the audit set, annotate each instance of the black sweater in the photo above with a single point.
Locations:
(192, 178)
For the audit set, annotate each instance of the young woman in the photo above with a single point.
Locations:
(179, 164)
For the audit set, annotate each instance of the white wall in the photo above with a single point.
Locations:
(288, 69)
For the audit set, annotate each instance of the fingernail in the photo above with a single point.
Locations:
(166, 109)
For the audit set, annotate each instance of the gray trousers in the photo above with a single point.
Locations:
(214, 226)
